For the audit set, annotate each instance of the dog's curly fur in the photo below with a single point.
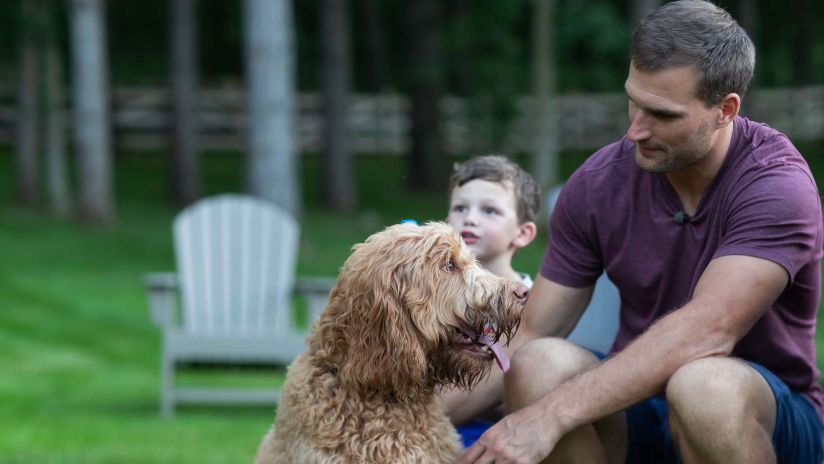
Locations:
(398, 326)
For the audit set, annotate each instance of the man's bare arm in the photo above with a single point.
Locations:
(732, 294)
(551, 310)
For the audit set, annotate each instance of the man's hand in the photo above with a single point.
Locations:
(526, 436)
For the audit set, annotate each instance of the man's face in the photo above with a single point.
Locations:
(671, 127)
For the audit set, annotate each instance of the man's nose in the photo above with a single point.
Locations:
(638, 129)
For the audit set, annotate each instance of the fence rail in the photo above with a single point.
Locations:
(380, 123)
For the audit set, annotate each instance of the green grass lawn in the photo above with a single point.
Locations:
(79, 374)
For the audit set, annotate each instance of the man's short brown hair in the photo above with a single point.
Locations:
(699, 34)
(502, 170)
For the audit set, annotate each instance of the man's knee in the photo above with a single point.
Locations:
(541, 365)
(719, 394)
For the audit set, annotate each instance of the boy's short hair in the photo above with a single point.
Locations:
(499, 169)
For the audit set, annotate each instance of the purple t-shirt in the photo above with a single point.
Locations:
(614, 216)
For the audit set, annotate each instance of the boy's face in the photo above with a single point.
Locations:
(484, 213)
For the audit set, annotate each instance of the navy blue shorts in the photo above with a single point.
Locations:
(472, 431)
(798, 437)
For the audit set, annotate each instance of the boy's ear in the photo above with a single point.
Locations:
(526, 234)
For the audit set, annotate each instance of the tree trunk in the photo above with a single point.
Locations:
(26, 149)
(427, 164)
(748, 19)
(803, 55)
(461, 75)
(339, 190)
(369, 20)
(57, 184)
(545, 124)
(92, 127)
(373, 67)
(271, 167)
(185, 163)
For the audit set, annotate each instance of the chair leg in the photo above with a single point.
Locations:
(167, 400)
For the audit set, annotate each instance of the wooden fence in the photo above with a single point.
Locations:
(380, 123)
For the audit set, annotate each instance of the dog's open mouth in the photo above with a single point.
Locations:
(483, 345)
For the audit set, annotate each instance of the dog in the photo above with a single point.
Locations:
(411, 312)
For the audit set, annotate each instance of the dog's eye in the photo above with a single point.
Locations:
(450, 266)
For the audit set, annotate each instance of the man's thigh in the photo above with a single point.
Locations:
(798, 436)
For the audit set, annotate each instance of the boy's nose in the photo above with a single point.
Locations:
(470, 218)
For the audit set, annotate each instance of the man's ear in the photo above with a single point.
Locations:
(729, 106)
(526, 234)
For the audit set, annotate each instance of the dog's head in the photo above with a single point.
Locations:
(412, 310)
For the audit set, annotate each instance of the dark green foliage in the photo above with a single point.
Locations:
(486, 43)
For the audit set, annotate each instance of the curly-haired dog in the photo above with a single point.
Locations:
(411, 311)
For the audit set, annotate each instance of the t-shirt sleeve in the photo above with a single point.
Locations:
(572, 257)
(775, 216)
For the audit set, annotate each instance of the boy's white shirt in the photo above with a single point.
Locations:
(525, 279)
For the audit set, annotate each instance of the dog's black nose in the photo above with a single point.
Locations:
(521, 292)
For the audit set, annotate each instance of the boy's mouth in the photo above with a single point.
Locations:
(469, 238)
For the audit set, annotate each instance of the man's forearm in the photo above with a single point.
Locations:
(641, 370)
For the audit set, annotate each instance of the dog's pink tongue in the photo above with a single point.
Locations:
(500, 357)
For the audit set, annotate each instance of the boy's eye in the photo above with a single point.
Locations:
(459, 208)
(490, 211)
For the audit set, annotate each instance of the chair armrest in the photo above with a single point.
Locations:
(162, 288)
(316, 290)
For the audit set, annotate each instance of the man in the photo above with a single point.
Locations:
(710, 226)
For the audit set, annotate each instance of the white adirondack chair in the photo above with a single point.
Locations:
(231, 299)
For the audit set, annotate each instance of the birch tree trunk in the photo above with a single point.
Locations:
(57, 184)
(271, 164)
(545, 163)
(92, 130)
(185, 163)
(339, 189)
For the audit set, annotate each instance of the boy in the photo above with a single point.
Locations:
(493, 204)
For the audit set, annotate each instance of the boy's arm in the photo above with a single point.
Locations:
(551, 310)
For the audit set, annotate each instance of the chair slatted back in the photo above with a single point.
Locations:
(236, 259)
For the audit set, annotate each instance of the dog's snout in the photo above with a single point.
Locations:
(521, 292)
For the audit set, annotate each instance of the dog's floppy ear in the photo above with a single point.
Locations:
(366, 334)
(383, 351)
